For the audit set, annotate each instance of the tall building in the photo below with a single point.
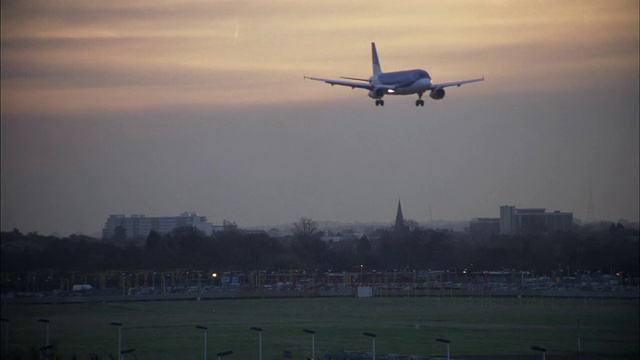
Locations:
(514, 221)
(141, 225)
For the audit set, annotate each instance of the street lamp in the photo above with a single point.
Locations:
(448, 342)
(259, 330)
(119, 325)
(6, 334)
(541, 349)
(124, 280)
(45, 349)
(46, 322)
(205, 339)
(373, 337)
(313, 342)
(224, 353)
(128, 351)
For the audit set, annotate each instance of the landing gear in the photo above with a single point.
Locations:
(379, 102)
(419, 102)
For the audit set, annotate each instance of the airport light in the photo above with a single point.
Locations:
(205, 339)
(313, 342)
(119, 325)
(224, 353)
(46, 322)
(259, 330)
(448, 342)
(540, 349)
(373, 338)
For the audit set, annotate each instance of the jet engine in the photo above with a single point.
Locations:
(377, 93)
(437, 94)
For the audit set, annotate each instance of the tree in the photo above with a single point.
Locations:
(308, 245)
(119, 235)
(305, 228)
(363, 249)
(229, 226)
(153, 241)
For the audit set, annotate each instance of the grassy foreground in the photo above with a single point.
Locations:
(409, 326)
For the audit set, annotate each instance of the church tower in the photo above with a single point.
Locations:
(399, 225)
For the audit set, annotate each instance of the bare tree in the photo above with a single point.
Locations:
(305, 229)
(308, 245)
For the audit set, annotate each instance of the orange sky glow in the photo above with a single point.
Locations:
(80, 56)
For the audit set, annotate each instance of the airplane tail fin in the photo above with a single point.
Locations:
(374, 59)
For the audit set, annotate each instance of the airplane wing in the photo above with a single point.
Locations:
(353, 85)
(455, 83)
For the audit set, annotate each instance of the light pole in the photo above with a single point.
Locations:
(6, 334)
(128, 351)
(259, 330)
(541, 349)
(124, 280)
(373, 337)
(44, 351)
(313, 342)
(224, 353)
(205, 339)
(119, 325)
(46, 322)
(448, 342)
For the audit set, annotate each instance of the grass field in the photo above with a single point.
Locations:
(476, 327)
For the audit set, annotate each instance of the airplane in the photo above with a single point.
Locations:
(404, 82)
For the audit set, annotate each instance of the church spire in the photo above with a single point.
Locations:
(399, 218)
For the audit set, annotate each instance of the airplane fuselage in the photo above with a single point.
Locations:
(404, 82)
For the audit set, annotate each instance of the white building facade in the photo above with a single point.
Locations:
(514, 221)
(141, 225)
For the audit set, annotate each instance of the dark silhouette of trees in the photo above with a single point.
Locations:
(308, 246)
(119, 235)
(607, 249)
(363, 250)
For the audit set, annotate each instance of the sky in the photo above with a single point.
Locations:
(160, 107)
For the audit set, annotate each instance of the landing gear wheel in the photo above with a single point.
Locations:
(419, 102)
(379, 102)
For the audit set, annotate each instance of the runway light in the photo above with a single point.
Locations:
(214, 275)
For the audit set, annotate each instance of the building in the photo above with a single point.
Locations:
(400, 226)
(484, 228)
(514, 221)
(140, 225)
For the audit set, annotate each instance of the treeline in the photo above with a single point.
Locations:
(609, 250)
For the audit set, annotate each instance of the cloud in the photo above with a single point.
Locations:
(219, 50)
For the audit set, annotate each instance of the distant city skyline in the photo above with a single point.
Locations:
(159, 108)
(507, 222)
